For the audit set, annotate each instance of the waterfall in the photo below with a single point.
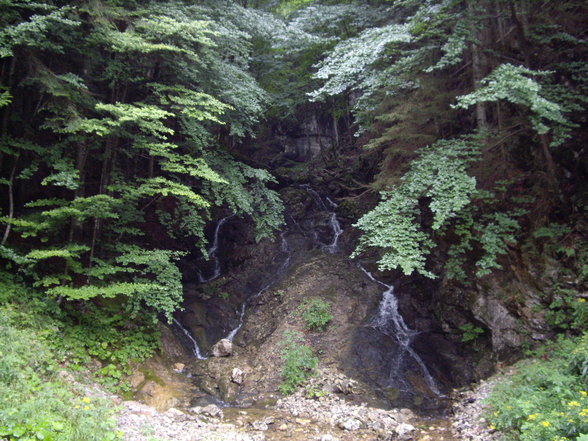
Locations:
(195, 347)
(389, 322)
(284, 248)
(212, 252)
(330, 208)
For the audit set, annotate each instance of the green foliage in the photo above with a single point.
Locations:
(109, 336)
(496, 232)
(299, 362)
(546, 398)
(115, 143)
(5, 98)
(314, 392)
(316, 314)
(440, 175)
(470, 332)
(38, 399)
(513, 83)
(567, 311)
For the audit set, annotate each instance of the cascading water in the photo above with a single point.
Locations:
(284, 248)
(213, 253)
(389, 322)
(325, 205)
(330, 208)
(195, 347)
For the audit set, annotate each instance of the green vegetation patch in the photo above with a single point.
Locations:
(316, 314)
(547, 398)
(38, 398)
(299, 362)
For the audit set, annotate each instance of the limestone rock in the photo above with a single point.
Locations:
(212, 410)
(237, 376)
(179, 367)
(404, 430)
(350, 424)
(259, 425)
(136, 379)
(344, 386)
(222, 348)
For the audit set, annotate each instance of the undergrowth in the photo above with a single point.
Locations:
(42, 344)
(316, 314)
(546, 399)
(299, 362)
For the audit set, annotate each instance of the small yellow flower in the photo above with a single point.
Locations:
(583, 393)
(532, 417)
(77, 406)
(581, 300)
(86, 400)
(545, 423)
(573, 404)
(86, 407)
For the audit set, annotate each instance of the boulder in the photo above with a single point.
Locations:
(350, 424)
(222, 348)
(404, 430)
(237, 376)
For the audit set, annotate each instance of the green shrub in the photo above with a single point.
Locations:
(104, 334)
(470, 332)
(316, 313)
(546, 399)
(567, 311)
(299, 362)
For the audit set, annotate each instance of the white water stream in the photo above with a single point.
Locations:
(389, 321)
(213, 252)
(333, 220)
(284, 248)
(195, 347)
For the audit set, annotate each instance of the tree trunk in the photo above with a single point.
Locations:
(550, 165)
(477, 65)
(81, 158)
(10, 201)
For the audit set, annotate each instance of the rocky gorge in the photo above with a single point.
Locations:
(393, 360)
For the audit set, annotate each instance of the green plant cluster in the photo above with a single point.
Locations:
(316, 314)
(109, 336)
(299, 362)
(470, 332)
(546, 399)
(567, 311)
(39, 400)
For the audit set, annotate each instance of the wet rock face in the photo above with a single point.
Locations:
(310, 139)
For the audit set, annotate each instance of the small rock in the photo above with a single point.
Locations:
(402, 430)
(222, 348)
(351, 424)
(179, 367)
(328, 437)
(237, 376)
(259, 425)
(212, 410)
(136, 379)
(344, 386)
(172, 411)
(283, 427)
